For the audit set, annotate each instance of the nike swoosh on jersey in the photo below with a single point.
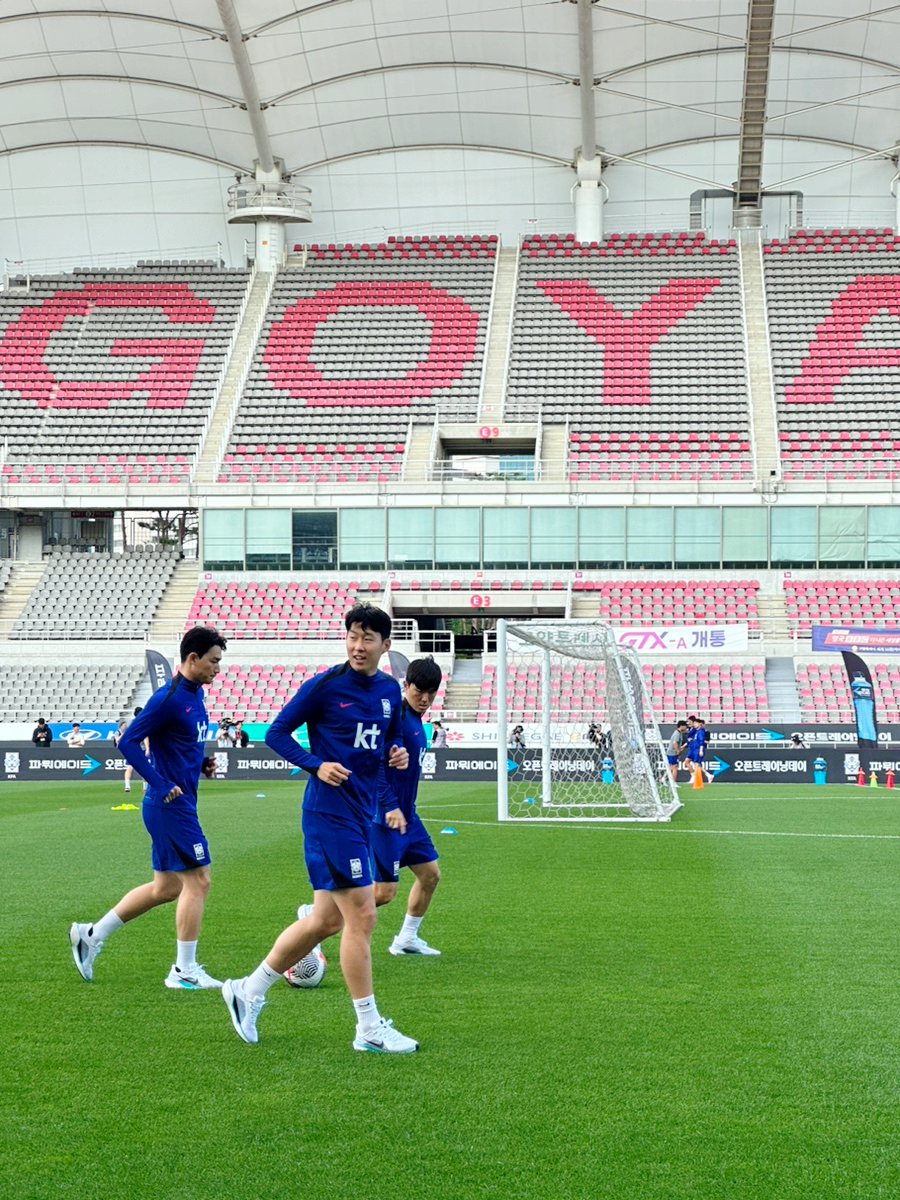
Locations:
(347, 705)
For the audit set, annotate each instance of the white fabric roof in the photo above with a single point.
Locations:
(346, 80)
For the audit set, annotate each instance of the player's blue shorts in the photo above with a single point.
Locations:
(673, 759)
(392, 850)
(178, 841)
(336, 851)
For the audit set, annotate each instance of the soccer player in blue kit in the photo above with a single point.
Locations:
(399, 839)
(175, 722)
(352, 715)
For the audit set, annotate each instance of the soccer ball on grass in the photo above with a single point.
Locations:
(309, 971)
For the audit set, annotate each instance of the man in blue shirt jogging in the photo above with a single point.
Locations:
(174, 722)
(399, 839)
(352, 716)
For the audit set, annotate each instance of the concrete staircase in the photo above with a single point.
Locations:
(759, 356)
(170, 616)
(773, 618)
(781, 688)
(235, 377)
(464, 688)
(418, 456)
(554, 452)
(492, 396)
(23, 580)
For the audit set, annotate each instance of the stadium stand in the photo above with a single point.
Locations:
(258, 692)
(637, 344)
(841, 602)
(887, 691)
(673, 601)
(267, 608)
(82, 596)
(107, 377)
(728, 692)
(68, 691)
(833, 304)
(824, 692)
(355, 346)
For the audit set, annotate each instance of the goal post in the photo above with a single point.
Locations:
(592, 746)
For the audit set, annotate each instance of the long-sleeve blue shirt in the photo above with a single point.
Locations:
(397, 789)
(175, 721)
(352, 719)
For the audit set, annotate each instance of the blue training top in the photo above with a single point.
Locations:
(175, 721)
(398, 790)
(352, 719)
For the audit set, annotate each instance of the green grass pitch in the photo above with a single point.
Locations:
(705, 1009)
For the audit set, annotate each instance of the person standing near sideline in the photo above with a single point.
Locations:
(675, 748)
(352, 717)
(42, 735)
(175, 722)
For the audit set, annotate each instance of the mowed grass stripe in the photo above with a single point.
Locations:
(625, 1017)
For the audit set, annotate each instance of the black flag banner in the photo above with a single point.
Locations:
(158, 669)
(863, 693)
(399, 664)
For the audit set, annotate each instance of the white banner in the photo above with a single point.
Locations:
(468, 733)
(684, 639)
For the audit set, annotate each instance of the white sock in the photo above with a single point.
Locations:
(186, 955)
(261, 980)
(410, 928)
(101, 929)
(367, 1016)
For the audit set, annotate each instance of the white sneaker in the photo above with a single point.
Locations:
(244, 1009)
(304, 910)
(193, 977)
(414, 945)
(384, 1039)
(84, 949)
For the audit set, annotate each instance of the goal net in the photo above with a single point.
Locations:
(577, 738)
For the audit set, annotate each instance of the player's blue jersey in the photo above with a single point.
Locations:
(175, 721)
(397, 789)
(352, 719)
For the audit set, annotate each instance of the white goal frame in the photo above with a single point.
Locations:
(644, 790)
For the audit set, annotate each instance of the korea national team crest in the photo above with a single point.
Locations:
(199, 852)
(11, 762)
(355, 868)
(386, 707)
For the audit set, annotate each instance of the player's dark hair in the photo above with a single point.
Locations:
(678, 724)
(138, 710)
(200, 640)
(368, 617)
(425, 674)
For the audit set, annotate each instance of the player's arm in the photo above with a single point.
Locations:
(136, 737)
(388, 806)
(297, 712)
(395, 753)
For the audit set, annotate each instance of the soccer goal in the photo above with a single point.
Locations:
(577, 739)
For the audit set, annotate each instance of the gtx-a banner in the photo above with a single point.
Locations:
(684, 639)
(855, 637)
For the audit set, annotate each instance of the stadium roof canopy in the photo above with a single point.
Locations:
(696, 94)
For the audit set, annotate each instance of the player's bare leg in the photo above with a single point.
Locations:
(408, 941)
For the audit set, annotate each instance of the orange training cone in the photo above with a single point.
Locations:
(698, 778)
(889, 778)
(861, 778)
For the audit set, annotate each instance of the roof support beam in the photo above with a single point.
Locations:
(748, 189)
(586, 78)
(237, 46)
